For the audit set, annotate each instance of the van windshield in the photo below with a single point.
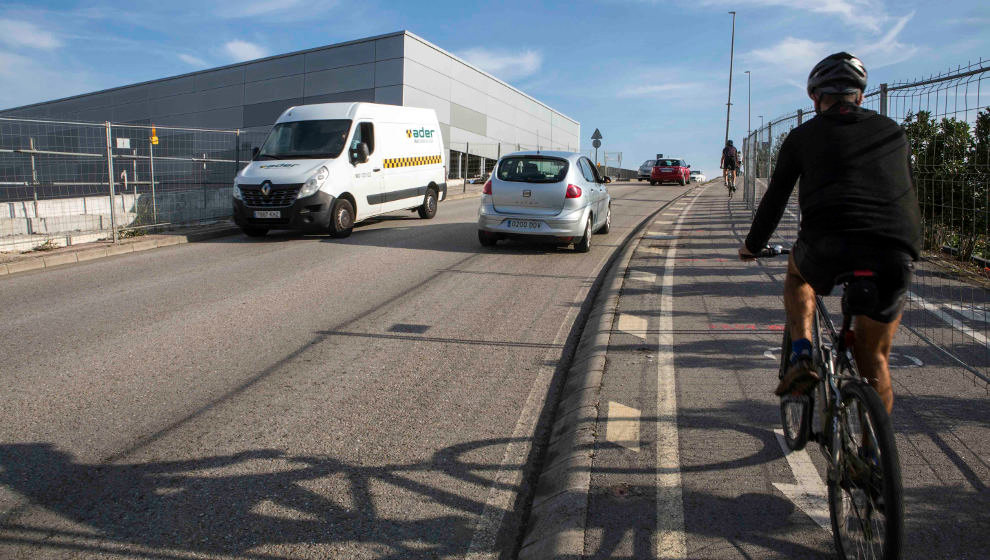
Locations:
(532, 169)
(306, 140)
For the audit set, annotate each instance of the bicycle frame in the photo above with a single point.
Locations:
(837, 368)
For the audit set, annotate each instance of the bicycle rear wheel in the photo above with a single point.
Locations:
(865, 499)
(795, 410)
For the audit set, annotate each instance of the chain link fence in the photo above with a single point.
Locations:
(71, 182)
(947, 121)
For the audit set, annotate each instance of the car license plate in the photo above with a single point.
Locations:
(524, 224)
(666, 170)
(267, 214)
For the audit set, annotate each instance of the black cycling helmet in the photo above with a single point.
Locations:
(728, 142)
(838, 73)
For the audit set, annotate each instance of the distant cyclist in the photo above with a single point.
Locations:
(859, 211)
(729, 163)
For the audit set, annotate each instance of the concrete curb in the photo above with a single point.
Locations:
(60, 259)
(559, 512)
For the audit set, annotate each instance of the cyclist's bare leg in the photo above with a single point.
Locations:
(872, 352)
(799, 302)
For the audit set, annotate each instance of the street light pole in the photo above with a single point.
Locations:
(749, 103)
(732, 48)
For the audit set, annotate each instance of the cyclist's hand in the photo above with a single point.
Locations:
(744, 254)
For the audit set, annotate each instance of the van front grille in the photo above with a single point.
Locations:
(280, 195)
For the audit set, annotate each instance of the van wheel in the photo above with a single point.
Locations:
(342, 218)
(584, 245)
(255, 231)
(608, 221)
(487, 238)
(429, 207)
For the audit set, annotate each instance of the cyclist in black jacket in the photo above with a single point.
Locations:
(859, 210)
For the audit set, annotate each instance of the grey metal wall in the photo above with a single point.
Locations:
(399, 68)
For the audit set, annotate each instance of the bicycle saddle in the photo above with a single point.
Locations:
(860, 294)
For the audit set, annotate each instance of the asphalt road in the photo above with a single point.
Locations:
(290, 397)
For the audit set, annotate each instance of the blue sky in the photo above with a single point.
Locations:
(652, 75)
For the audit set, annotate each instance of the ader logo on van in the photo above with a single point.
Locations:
(420, 135)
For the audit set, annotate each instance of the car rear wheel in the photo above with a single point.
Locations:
(429, 207)
(683, 182)
(654, 183)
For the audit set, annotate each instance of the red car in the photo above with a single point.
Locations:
(671, 170)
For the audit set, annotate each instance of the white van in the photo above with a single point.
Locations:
(324, 167)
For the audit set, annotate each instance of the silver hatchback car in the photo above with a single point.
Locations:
(549, 196)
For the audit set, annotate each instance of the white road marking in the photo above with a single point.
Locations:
(671, 542)
(809, 494)
(664, 223)
(641, 276)
(623, 426)
(652, 250)
(632, 324)
(949, 319)
(970, 312)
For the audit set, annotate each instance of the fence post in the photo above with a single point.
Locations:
(113, 218)
(769, 151)
(883, 99)
(34, 178)
(151, 170)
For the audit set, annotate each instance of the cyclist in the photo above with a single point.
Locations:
(859, 210)
(729, 163)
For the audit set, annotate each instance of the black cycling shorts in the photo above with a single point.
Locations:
(730, 165)
(820, 264)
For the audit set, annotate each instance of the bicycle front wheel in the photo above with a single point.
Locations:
(795, 410)
(865, 498)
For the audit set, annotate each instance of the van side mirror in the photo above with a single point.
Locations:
(254, 152)
(606, 179)
(360, 154)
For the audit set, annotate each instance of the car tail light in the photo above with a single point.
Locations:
(488, 187)
(573, 191)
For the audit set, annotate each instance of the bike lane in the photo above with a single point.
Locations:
(686, 461)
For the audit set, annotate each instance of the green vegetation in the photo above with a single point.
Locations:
(951, 164)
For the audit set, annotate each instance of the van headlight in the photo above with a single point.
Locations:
(238, 195)
(314, 183)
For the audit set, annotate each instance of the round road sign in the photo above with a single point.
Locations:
(596, 143)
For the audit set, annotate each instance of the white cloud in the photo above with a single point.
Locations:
(788, 57)
(662, 90)
(24, 34)
(240, 51)
(887, 50)
(273, 10)
(503, 64)
(866, 14)
(28, 80)
(192, 60)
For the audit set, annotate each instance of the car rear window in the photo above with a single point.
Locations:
(649, 162)
(668, 162)
(532, 169)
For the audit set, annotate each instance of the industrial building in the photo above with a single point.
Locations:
(477, 112)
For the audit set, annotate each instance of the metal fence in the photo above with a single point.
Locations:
(947, 121)
(69, 182)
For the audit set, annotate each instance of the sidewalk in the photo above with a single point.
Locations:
(14, 262)
(676, 455)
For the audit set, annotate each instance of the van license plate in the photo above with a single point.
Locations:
(267, 214)
(524, 224)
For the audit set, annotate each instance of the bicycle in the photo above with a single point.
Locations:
(730, 182)
(852, 427)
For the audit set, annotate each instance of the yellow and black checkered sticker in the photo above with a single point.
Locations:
(411, 161)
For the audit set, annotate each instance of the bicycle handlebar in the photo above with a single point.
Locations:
(772, 251)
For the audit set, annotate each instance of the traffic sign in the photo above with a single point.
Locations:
(597, 135)
(596, 143)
